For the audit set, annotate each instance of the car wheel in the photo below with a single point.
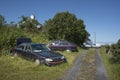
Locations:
(37, 61)
(68, 50)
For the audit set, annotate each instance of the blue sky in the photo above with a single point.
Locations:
(101, 17)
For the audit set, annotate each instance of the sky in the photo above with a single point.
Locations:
(101, 17)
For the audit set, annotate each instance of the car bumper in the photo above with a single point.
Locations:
(55, 62)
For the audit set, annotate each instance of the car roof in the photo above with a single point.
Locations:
(31, 43)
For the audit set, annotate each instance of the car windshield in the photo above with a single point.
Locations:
(39, 47)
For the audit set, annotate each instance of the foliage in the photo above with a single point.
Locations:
(113, 70)
(2, 21)
(66, 26)
(8, 37)
(28, 24)
(40, 38)
(107, 48)
(115, 50)
(10, 32)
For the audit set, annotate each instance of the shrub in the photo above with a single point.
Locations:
(115, 50)
(8, 37)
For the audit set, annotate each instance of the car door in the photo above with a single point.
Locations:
(63, 45)
(28, 52)
(19, 50)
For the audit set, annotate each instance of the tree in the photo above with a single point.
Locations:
(65, 25)
(8, 36)
(28, 23)
(2, 21)
(115, 50)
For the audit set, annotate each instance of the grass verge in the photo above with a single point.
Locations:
(87, 69)
(20, 69)
(113, 70)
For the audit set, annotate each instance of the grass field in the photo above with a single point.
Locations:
(15, 68)
(113, 70)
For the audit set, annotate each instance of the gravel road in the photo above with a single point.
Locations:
(73, 72)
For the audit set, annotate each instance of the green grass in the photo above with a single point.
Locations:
(113, 70)
(21, 69)
(87, 69)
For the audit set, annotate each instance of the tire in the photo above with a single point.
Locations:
(68, 50)
(37, 61)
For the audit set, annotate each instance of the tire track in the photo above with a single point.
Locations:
(72, 73)
(98, 71)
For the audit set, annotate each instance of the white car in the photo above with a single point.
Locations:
(87, 45)
(96, 45)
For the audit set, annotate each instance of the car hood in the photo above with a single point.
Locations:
(49, 54)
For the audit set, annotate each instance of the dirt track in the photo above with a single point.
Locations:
(75, 73)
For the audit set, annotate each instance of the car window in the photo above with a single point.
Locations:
(55, 42)
(63, 43)
(39, 47)
(21, 47)
(28, 48)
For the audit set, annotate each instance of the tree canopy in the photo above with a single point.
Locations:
(65, 25)
(115, 50)
(2, 21)
(28, 23)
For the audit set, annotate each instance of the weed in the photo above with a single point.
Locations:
(113, 69)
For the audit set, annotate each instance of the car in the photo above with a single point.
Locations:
(96, 45)
(39, 53)
(87, 45)
(62, 45)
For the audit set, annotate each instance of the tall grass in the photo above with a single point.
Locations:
(15, 68)
(113, 69)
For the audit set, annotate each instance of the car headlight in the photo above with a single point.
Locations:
(62, 57)
(48, 59)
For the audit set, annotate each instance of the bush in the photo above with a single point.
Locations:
(115, 50)
(8, 37)
(66, 26)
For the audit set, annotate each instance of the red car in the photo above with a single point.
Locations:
(61, 45)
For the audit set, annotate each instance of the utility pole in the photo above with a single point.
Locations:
(94, 38)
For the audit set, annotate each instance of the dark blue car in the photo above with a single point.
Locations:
(39, 53)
